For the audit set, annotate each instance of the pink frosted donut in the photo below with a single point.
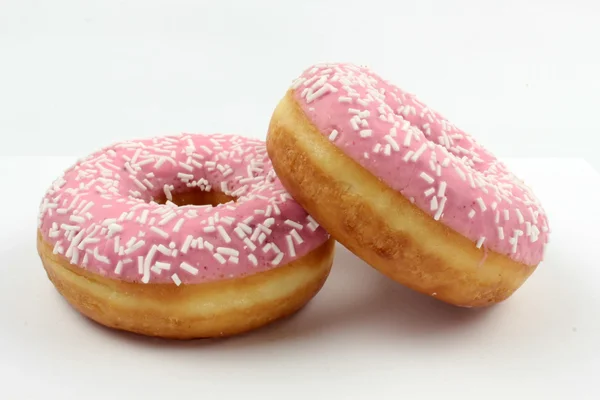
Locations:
(182, 236)
(406, 190)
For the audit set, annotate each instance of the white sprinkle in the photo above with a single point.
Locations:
(224, 187)
(185, 177)
(244, 228)
(418, 153)
(209, 229)
(440, 209)
(290, 244)
(57, 248)
(159, 232)
(296, 236)
(99, 257)
(186, 166)
(162, 265)
(387, 150)
(178, 225)
(343, 99)
(188, 268)
(442, 189)
(480, 242)
(407, 156)
(460, 173)
(255, 234)
(312, 225)
(119, 268)
(471, 214)
(223, 234)
(277, 259)
(176, 279)
(376, 148)
(253, 259)
(365, 133)
(481, 204)
(138, 183)
(269, 221)
(164, 250)
(264, 229)
(140, 262)
(392, 142)
(293, 224)
(471, 181)
(434, 204)
(227, 220)
(333, 135)
(327, 88)
(148, 184)
(167, 218)
(76, 219)
(407, 138)
(114, 228)
(68, 227)
(261, 238)
(144, 216)
(134, 247)
(426, 177)
(501, 233)
(186, 244)
(148, 262)
(519, 215)
(167, 190)
(238, 231)
(196, 164)
(228, 251)
(514, 241)
(86, 208)
(206, 149)
(267, 247)
(219, 258)
(249, 243)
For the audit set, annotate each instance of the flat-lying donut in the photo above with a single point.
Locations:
(181, 236)
(405, 189)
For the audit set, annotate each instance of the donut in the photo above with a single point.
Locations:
(185, 236)
(403, 188)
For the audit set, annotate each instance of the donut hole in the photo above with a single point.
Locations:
(197, 197)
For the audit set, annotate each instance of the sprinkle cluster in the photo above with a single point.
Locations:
(419, 153)
(102, 214)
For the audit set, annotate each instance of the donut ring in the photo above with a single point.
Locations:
(403, 188)
(145, 236)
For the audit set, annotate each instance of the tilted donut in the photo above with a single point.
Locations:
(403, 188)
(181, 236)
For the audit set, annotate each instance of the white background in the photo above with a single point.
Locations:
(362, 337)
(521, 76)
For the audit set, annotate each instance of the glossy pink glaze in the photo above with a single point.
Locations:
(101, 216)
(417, 152)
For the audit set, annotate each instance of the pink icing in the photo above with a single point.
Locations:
(417, 152)
(100, 213)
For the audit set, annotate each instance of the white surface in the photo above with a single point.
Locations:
(522, 76)
(362, 337)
